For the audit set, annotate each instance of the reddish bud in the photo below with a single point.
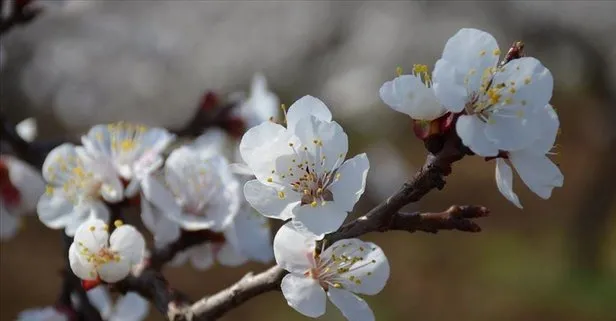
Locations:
(235, 126)
(9, 194)
(209, 101)
(90, 284)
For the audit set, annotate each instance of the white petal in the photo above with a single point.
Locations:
(471, 49)
(163, 229)
(240, 169)
(159, 195)
(259, 145)
(504, 181)
(408, 94)
(268, 202)
(352, 307)
(350, 182)
(79, 265)
(228, 255)
(548, 123)
(250, 232)
(369, 274)
(101, 300)
(335, 142)
(112, 191)
(510, 132)
(448, 87)
(532, 82)
(55, 211)
(92, 234)
(472, 132)
(58, 162)
(27, 180)
(293, 250)
(130, 307)
(538, 172)
(214, 141)
(261, 105)
(112, 271)
(201, 256)
(9, 224)
(321, 219)
(303, 294)
(129, 243)
(27, 129)
(305, 107)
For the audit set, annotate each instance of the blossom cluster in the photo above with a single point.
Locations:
(502, 108)
(296, 170)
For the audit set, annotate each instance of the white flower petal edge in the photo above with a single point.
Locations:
(42, 314)
(305, 107)
(504, 182)
(262, 105)
(409, 95)
(130, 307)
(345, 267)
(94, 254)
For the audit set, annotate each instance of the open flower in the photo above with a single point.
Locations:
(129, 307)
(199, 192)
(94, 254)
(497, 100)
(133, 150)
(346, 267)
(20, 188)
(301, 172)
(532, 164)
(412, 95)
(247, 238)
(77, 186)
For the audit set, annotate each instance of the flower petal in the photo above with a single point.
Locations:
(101, 300)
(504, 181)
(112, 271)
(27, 180)
(448, 87)
(525, 79)
(350, 182)
(293, 249)
(79, 265)
(471, 52)
(129, 243)
(325, 142)
(538, 172)
(55, 211)
(130, 307)
(510, 132)
(228, 255)
(261, 105)
(267, 200)
(201, 256)
(548, 123)
(163, 229)
(303, 294)
(250, 233)
(352, 307)
(472, 132)
(408, 94)
(305, 107)
(159, 195)
(9, 224)
(369, 272)
(261, 145)
(321, 219)
(27, 129)
(112, 190)
(92, 234)
(58, 162)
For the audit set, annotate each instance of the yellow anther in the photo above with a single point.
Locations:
(520, 113)
(482, 53)
(315, 141)
(49, 190)
(512, 90)
(127, 145)
(92, 228)
(281, 195)
(491, 121)
(472, 71)
(399, 71)
(527, 80)
(106, 227)
(269, 179)
(291, 144)
(337, 285)
(314, 204)
(118, 223)
(338, 176)
(508, 100)
(352, 278)
(306, 192)
(369, 273)
(496, 52)
(358, 281)
(373, 261)
(319, 191)
(361, 249)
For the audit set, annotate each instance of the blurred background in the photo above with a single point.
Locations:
(86, 62)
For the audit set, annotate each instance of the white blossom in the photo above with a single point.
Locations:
(346, 267)
(261, 105)
(128, 307)
(497, 101)
(197, 192)
(532, 164)
(27, 129)
(95, 254)
(412, 95)
(78, 185)
(20, 188)
(42, 314)
(300, 170)
(133, 150)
